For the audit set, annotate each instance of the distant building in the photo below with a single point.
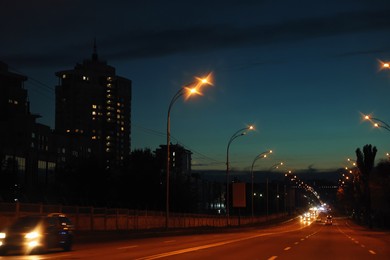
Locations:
(93, 110)
(180, 159)
(26, 151)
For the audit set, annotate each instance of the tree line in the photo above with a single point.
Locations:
(139, 184)
(364, 192)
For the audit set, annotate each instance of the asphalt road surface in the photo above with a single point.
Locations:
(289, 240)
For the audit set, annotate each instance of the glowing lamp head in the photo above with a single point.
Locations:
(191, 91)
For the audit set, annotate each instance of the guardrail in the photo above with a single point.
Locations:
(91, 218)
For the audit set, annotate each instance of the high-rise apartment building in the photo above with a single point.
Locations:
(93, 111)
(27, 155)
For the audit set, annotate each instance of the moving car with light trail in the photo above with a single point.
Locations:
(31, 234)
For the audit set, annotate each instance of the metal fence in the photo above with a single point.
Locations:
(91, 218)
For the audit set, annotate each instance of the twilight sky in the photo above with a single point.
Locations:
(303, 72)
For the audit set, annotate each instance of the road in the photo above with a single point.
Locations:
(289, 240)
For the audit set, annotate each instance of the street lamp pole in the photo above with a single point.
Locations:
(262, 155)
(189, 91)
(275, 166)
(237, 134)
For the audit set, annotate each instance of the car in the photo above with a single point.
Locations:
(37, 233)
(329, 220)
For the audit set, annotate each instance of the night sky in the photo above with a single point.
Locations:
(303, 72)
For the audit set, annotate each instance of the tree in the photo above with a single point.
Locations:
(144, 189)
(365, 163)
(380, 197)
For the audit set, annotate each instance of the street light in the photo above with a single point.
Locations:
(384, 65)
(353, 162)
(262, 155)
(237, 134)
(377, 122)
(188, 90)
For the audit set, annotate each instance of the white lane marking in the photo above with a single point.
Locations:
(127, 247)
(169, 241)
(296, 243)
(287, 248)
(186, 250)
(372, 252)
(272, 257)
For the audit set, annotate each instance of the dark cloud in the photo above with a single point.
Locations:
(146, 43)
(136, 44)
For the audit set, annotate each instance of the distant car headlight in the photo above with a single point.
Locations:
(2, 235)
(32, 235)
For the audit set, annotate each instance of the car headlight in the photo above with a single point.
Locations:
(32, 235)
(2, 235)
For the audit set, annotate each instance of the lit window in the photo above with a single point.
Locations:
(68, 131)
(94, 113)
(64, 76)
(94, 137)
(122, 128)
(94, 106)
(85, 78)
(108, 150)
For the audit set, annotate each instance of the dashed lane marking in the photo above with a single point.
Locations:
(272, 257)
(372, 252)
(287, 248)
